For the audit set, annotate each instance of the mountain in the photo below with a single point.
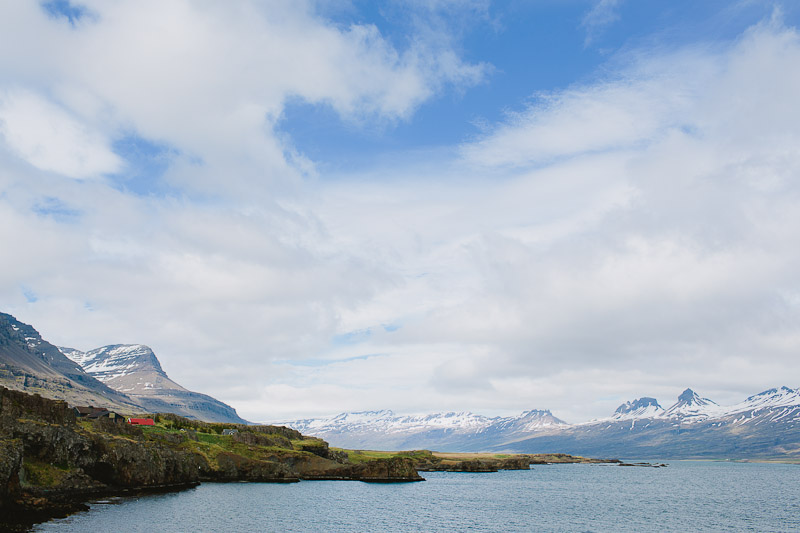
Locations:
(124, 377)
(768, 400)
(691, 408)
(452, 431)
(31, 364)
(133, 369)
(765, 425)
(637, 409)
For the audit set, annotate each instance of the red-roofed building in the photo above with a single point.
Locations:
(141, 422)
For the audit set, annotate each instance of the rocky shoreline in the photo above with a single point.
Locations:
(487, 462)
(51, 462)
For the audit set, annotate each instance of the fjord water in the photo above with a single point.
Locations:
(685, 496)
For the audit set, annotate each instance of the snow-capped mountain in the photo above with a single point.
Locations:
(134, 370)
(30, 363)
(386, 429)
(769, 399)
(690, 407)
(638, 409)
(533, 420)
(116, 361)
(764, 425)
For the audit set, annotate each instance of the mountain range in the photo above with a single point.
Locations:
(766, 425)
(124, 377)
(130, 379)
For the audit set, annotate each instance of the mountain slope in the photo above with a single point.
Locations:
(764, 425)
(29, 363)
(451, 431)
(690, 407)
(133, 369)
(638, 409)
(127, 378)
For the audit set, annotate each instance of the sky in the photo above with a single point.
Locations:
(308, 207)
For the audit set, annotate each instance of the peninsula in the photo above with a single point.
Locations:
(51, 460)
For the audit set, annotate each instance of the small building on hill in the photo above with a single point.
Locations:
(91, 413)
(141, 422)
(230, 431)
(85, 412)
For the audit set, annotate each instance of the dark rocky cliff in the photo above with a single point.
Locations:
(29, 363)
(50, 461)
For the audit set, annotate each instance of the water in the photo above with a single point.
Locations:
(686, 496)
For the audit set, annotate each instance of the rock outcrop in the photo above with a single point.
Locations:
(50, 461)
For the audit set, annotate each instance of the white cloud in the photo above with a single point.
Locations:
(212, 80)
(50, 139)
(641, 226)
(631, 236)
(602, 14)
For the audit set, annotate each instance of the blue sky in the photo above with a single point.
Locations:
(307, 207)
(529, 48)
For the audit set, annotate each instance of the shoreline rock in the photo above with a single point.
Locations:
(50, 463)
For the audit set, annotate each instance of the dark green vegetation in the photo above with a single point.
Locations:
(50, 461)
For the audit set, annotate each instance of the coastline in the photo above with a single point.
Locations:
(51, 462)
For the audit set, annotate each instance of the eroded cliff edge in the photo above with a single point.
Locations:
(50, 461)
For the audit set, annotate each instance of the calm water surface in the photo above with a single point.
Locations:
(686, 496)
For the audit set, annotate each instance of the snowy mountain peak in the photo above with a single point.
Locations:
(528, 421)
(691, 407)
(689, 397)
(362, 416)
(535, 413)
(645, 407)
(115, 360)
(771, 398)
(371, 426)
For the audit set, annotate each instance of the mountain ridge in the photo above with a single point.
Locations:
(134, 370)
(31, 364)
(764, 425)
(124, 377)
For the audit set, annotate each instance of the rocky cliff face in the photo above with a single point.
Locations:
(29, 363)
(49, 460)
(124, 377)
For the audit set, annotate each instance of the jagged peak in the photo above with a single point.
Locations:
(770, 398)
(687, 396)
(775, 392)
(690, 397)
(536, 412)
(638, 404)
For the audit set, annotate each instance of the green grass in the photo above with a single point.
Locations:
(155, 430)
(43, 474)
(362, 456)
(208, 443)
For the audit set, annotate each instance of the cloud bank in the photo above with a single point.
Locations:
(627, 236)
